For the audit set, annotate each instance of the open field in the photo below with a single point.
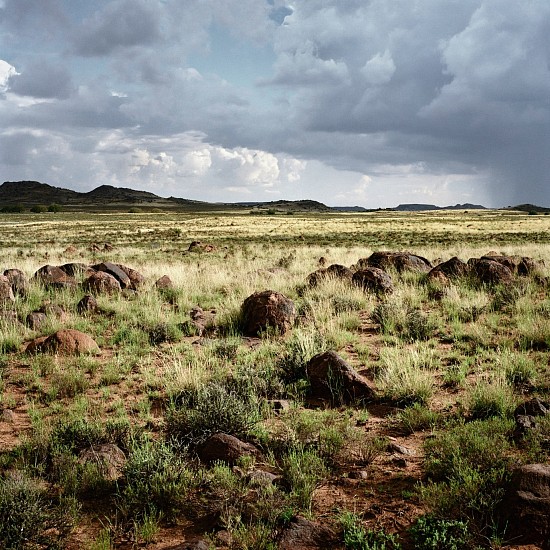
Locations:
(424, 462)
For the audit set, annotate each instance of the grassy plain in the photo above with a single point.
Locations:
(449, 368)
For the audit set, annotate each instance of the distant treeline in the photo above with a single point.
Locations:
(36, 209)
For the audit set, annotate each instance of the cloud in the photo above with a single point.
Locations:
(41, 79)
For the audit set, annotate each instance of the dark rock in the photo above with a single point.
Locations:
(526, 505)
(108, 457)
(334, 271)
(315, 278)
(226, 448)
(6, 292)
(322, 261)
(164, 283)
(52, 276)
(533, 407)
(64, 342)
(198, 246)
(88, 304)
(529, 266)
(18, 281)
(116, 272)
(453, 269)
(267, 309)
(303, 534)
(331, 378)
(490, 272)
(53, 310)
(400, 261)
(75, 269)
(261, 478)
(372, 279)
(101, 282)
(511, 262)
(203, 321)
(399, 449)
(35, 320)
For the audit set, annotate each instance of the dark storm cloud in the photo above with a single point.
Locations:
(41, 79)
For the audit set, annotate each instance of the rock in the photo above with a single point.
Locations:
(18, 281)
(94, 247)
(331, 378)
(8, 416)
(261, 478)
(399, 449)
(70, 250)
(108, 457)
(510, 262)
(191, 545)
(400, 261)
(303, 534)
(526, 505)
(108, 247)
(533, 407)
(267, 309)
(75, 269)
(203, 321)
(322, 261)
(88, 304)
(226, 448)
(52, 276)
(529, 266)
(35, 320)
(164, 283)
(198, 246)
(438, 278)
(116, 272)
(490, 272)
(453, 269)
(137, 280)
(101, 283)
(6, 292)
(280, 405)
(372, 279)
(65, 342)
(53, 310)
(334, 271)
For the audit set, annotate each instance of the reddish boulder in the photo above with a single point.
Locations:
(6, 292)
(372, 279)
(303, 534)
(35, 320)
(116, 272)
(65, 342)
(75, 269)
(226, 448)
(107, 457)
(400, 261)
(18, 281)
(88, 304)
(334, 271)
(136, 278)
(164, 283)
(267, 309)
(490, 272)
(331, 378)
(52, 276)
(453, 269)
(101, 283)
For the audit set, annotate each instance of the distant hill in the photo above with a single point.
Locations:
(529, 208)
(33, 192)
(419, 207)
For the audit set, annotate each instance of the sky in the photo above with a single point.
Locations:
(350, 102)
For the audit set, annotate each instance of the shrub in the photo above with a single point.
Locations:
(432, 533)
(356, 537)
(415, 418)
(489, 399)
(38, 209)
(28, 518)
(54, 208)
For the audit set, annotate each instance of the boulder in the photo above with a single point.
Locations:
(64, 342)
(52, 276)
(203, 321)
(226, 448)
(267, 309)
(303, 534)
(136, 278)
(453, 269)
(400, 261)
(53, 310)
(526, 415)
(528, 266)
(35, 320)
(372, 279)
(6, 292)
(198, 246)
(334, 271)
(164, 283)
(18, 281)
(75, 269)
(109, 458)
(490, 272)
(526, 505)
(116, 272)
(332, 378)
(101, 282)
(88, 304)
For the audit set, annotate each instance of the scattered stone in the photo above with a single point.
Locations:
(191, 545)
(108, 247)
(529, 266)
(109, 458)
(267, 309)
(373, 279)
(203, 321)
(331, 378)
(164, 283)
(526, 415)
(261, 478)
(52, 276)
(6, 292)
(303, 534)
(334, 271)
(322, 261)
(18, 281)
(198, 246)
(88, 304)
(359, 474)
(226, 448)
(399, 449)
(490, 272)
(94, 248)
(400, 261)
(53, 310)
(35, 320)
(101, 283)
(116, 272)
(70, 250)
(526, 505)
(65, 342)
